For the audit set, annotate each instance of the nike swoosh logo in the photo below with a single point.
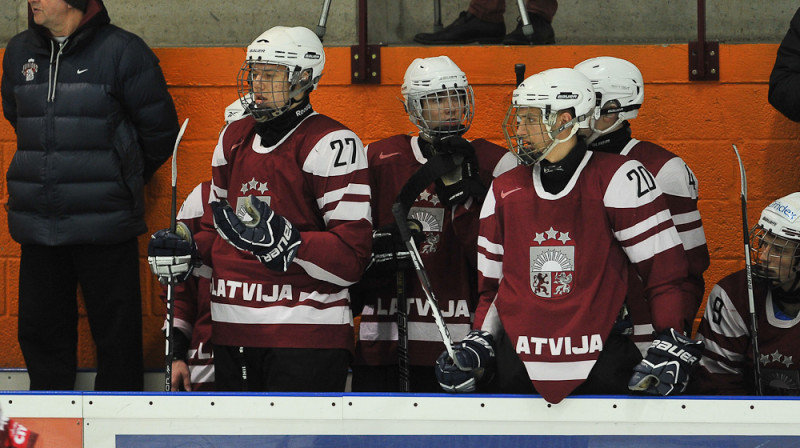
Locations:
(503, 194)
(83, 71)
(386, 156)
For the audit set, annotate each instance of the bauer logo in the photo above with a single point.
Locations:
(567, 96)
(312, 55)
(784, 210)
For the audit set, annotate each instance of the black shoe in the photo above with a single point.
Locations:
(542, 33)
(466, 29)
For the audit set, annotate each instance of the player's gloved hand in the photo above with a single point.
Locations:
(476, 352)
(270, 237)
(670, 361)
(172, 255)
(389, 251)
(457, 186)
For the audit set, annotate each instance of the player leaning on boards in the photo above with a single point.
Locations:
(727, 366)
(556, 238)
(440, 102)
(291, 227)
(619, 89)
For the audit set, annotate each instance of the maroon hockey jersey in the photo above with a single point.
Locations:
(316, 177)
(448, 253)
(727, 364)
(553, 268)
(680, 188)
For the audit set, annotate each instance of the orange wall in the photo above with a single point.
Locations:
(696, 120)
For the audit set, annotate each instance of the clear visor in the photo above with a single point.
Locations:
(265, 90)
(774, 257)
(443, 113)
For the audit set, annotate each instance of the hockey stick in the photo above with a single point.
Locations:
(402, 332)
(749, 273)
(323, 19)
(519, 72)
(527, 28)
(170, 339)
(420, 180)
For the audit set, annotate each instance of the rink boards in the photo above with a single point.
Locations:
(159, 420)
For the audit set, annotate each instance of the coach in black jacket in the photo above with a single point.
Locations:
(784, 81)
(94, 121)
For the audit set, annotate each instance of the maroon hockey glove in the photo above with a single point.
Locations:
(475, 351)
(670, 360)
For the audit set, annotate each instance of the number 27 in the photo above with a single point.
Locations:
(339, 146)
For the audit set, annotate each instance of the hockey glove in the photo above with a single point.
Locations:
(270, 237)
(670, 361)
(389, 251)
(475, 351)
(172, 255)
(457, 186)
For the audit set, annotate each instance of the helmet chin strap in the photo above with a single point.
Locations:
(596, 133)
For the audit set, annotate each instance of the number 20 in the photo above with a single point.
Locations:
(644, 180)
(338, 146)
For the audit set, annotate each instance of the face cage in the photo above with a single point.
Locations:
(526, 151)
(264, 92)
(442, 113)
(774, 258)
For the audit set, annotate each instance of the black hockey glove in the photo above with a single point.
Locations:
(670, 361)
(270, 237)
(172, 255)
(389, 251)
(457, 186)
(475, 351)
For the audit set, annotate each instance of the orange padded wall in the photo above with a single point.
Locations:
(697, 120)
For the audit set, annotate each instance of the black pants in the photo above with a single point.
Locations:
(108, 276)
(386, 378)
(609, 376)
(280, 369)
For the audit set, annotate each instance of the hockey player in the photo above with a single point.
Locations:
(440, 102)
(619, 89)
(557, 236)
(290, 229)
(727, 364)
(193, 363)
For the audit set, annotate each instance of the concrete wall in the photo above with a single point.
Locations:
(189, 23)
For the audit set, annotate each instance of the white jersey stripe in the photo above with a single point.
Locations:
(642, 226)
(643, 329)
(201, 374)
(686, 218)
(718, 349)
(280, 315)
(349, 211)
(489, 268)
(490, 247)
(337, 195)
(321, 274)
(559, 371)
(693, 238)
(417, 331)
(660, 242)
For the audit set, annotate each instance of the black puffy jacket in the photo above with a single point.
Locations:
(784, 81)
(94, 121)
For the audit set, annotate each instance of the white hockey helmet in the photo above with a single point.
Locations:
(437, 97)
(616, 80)
(295, 51)
(775, 243)
(529, 125)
